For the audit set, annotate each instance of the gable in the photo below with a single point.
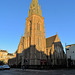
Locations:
(57, 39)
(50, 40)
(20, 46)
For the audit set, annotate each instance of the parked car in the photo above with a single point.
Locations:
(6, 67)
(1, 67)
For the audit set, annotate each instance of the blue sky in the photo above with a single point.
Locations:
(59, 16)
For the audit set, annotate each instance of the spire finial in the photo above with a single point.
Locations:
(56, 33)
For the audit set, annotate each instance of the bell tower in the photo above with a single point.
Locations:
(35, 42)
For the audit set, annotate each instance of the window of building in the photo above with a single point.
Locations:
(5, 57)
(55, 48)
(33, 4)
(30, 25)
(70, 57)
(5, 53)
(58, 49)
(73, 51)
(8, 56)
(38, 41)
(1, 56)
(67, 49)
(38, 26)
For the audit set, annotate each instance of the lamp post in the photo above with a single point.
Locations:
(66, 55)
(47, 56)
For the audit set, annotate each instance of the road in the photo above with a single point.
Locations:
(37, 72)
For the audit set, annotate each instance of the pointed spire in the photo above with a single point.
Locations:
(22, 36)
(35, 8)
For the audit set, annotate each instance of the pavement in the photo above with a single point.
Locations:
(36, 72)
(30, 70)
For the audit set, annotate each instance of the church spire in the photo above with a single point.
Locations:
(35, 8)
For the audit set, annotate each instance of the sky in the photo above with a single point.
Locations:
(59, 16)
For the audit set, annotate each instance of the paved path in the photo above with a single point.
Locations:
(37, 72)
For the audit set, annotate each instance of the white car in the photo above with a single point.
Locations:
(6, 67)
(1, 67)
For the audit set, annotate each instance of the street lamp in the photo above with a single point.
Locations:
(66, 55)
(47, 56)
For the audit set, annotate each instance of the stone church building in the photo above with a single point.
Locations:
(34, 49)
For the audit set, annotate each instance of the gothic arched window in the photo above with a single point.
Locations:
(38, 26)
(30, 25)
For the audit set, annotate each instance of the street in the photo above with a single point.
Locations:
(37, 72)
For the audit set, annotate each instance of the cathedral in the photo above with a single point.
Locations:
(34, 49)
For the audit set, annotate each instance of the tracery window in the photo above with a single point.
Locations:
(30, 25)
(38, 26)
(58, 49)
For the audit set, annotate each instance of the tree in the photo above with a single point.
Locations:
(2, 62)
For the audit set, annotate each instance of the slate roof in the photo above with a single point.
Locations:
(70, 45)
(50, 40)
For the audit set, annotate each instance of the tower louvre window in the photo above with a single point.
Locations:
(33, 4)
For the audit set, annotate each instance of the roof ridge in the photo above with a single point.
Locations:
(4, 50)
(70, 45)
(51, 36)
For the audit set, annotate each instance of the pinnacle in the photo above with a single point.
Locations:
(35, 8)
